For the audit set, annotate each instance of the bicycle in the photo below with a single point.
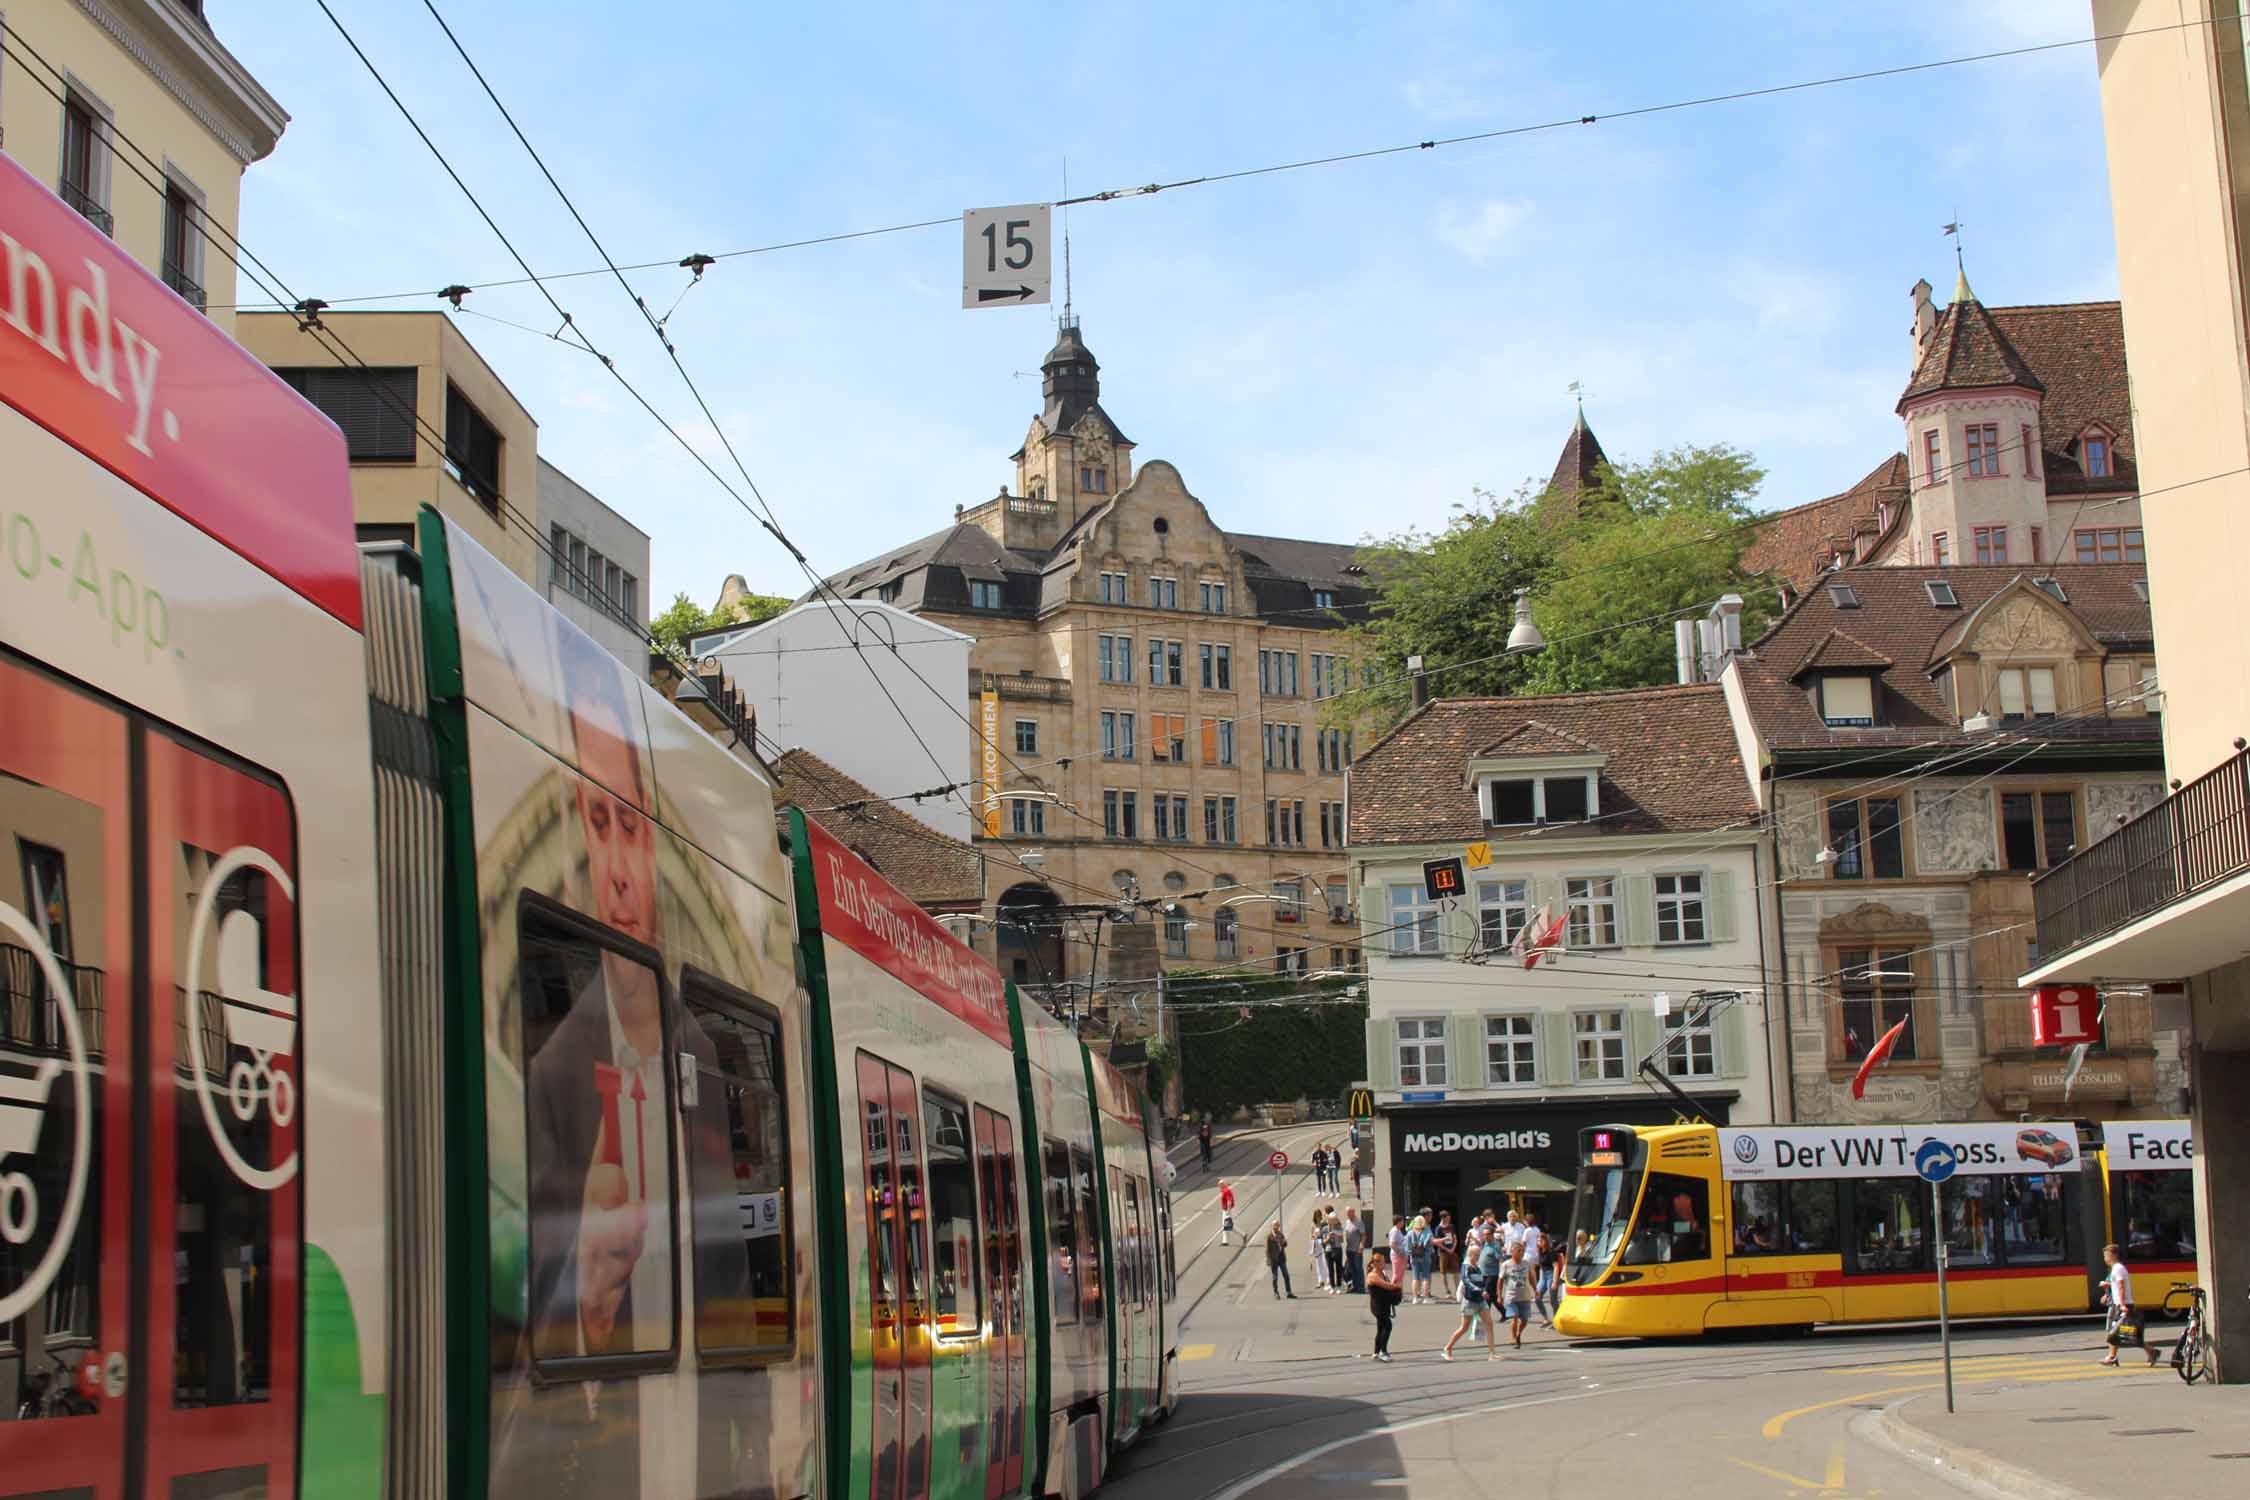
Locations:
(2191, 1356)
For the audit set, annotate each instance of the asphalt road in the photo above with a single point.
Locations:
(1279, 1398)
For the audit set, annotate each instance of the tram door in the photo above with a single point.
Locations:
(998, 1368)
(149, 1277)
(1017, 1345)
(897, 1268)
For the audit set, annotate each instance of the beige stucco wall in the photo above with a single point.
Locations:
(391, 493)
(2172, 197)
(166, 87)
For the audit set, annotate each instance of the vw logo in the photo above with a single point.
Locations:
(1746, 1148)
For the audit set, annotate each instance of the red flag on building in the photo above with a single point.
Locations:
(1541, 937)
(1876, 1054)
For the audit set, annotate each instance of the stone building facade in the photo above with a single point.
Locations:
(1925, 741)
(1159, 714)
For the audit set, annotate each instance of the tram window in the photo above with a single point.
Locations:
(1132, 1249)
(597, 1145)
(1674, 1222)
(1970, 1228)
(2156, 1214)
(957, 1289)
(1761, 1223)
(745, 1296)
(1171, 1252)
(1089, 1226)
(2035, 1221)
(1812, 1218)
(1891, 1218)
(1062, 1233)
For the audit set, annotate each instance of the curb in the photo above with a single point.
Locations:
(1967, 1468)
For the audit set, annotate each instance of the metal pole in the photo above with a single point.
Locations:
(1944, 1323)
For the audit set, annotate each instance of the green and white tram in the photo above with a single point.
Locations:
(427, 1068)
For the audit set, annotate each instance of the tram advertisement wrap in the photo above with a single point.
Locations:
(1770, 1153)
(2149, 1145)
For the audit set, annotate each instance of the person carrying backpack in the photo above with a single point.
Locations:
(1418, 1257)
(1479, 1280)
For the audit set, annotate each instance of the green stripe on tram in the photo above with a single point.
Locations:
(839, 1351)
(1039, 1346)
(468, 1210)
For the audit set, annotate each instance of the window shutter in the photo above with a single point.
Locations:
(1547, 890)
(1734, 1040)
(1557, 1064)
(1464, 1052)
(1382, 1055)
(1639, 899)
(1718, 905)
(1375, 917)
(1641, 1032)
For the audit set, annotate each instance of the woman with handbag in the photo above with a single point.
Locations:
(2125, 1326)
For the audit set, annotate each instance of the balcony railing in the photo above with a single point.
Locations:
(190, 291)
(27, 1012)
(1023, 688)
(2197, 837)
(78, 198)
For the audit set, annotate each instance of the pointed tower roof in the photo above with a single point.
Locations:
(1073, 383)
(1574, 470)
(1967, 351)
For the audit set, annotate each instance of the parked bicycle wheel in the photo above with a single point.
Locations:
(2195, 1354)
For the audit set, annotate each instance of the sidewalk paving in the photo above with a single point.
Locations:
(2129, 1432)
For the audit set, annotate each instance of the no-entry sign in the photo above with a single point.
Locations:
(1278, 1161)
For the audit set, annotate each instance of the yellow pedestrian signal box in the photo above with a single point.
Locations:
(1443, 878)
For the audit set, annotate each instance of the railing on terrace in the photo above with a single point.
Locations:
(2197, 837)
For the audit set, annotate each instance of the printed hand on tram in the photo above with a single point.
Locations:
(612, 1231)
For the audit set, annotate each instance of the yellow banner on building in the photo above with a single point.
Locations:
(991, 722)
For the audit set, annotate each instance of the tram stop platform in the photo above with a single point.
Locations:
(2118, 1434)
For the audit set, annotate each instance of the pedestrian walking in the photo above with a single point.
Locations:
(1396, 1240)
(1319, 1251)
(1203, 1139)
(1479, 1279)
(1277, 1262)
(1355, 1246)
(1226, 1211)
(2125, 1325)
(1382, 1300)
(1332, 1247)
(1538, 1256)
(1515, 1293)
(1418, 1260)
(1448, 1241)
(1355, 1171)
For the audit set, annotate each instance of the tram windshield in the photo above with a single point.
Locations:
(1601, 1218)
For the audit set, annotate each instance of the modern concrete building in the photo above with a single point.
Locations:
(426, 422)
(141, 119)
(1156, 688)
(1625, 817)
(811, 691)
(596, 567)
(2166, 897)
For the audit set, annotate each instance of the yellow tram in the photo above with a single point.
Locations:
(1681, 1229)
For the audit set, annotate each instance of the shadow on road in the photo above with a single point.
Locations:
(1216, 1440)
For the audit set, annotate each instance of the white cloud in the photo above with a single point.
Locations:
(1479, 230)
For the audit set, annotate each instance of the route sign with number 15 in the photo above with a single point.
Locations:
(1006, 256)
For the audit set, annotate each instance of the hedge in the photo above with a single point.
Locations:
(1301, 1041)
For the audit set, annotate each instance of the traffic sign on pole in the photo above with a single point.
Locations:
(1934, 1161)
(1279, 1161)
(1007, 256)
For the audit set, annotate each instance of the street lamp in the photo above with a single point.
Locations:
(1525, 638)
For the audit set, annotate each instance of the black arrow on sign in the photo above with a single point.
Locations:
(1002, 294)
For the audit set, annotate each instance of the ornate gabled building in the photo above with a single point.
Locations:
(2018, 431)
(1924, 741)
(1155, 686)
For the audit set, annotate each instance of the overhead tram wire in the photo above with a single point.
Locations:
(1149, 189)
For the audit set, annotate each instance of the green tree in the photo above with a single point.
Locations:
(673, 627)
(1654, 539)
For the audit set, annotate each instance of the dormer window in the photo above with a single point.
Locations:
(1568, 798)
(1323, 599)
(2027, 692)
(983, 595)
(2097, 456)
(1847, 702)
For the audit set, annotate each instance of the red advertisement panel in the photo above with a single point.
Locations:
(106, 357)
(866, 913)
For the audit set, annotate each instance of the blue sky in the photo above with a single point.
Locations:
(1329, 353)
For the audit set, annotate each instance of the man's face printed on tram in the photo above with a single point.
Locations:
(620, 847)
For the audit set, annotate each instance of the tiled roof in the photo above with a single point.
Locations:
(1969, 350)
(1532, 737)
(1837, 651)
(1672, 764)
(1895, 619)
(933, 868)
(1574, 470)
(1795, 545)
(2078, 349)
